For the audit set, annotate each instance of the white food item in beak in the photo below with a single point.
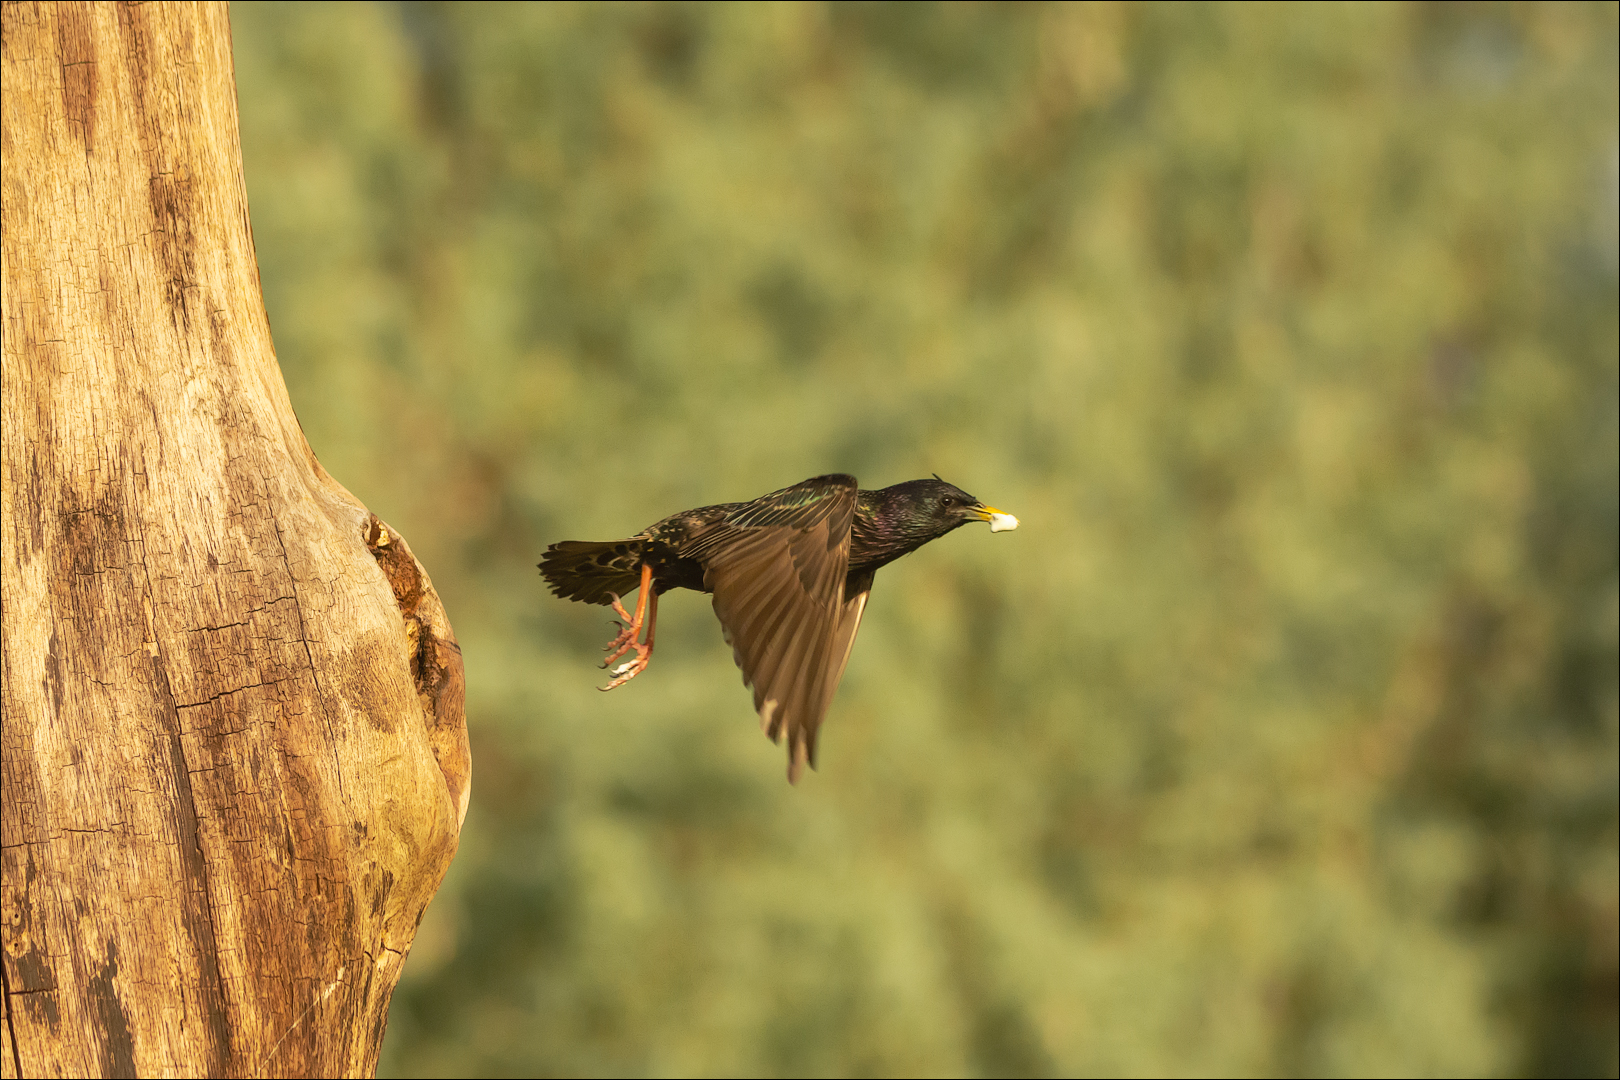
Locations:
(1003, 523)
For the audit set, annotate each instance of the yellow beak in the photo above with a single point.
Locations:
(999, 522)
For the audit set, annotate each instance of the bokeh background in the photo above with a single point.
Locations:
(1281, 739)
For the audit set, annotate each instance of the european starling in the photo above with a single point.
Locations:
(790, 573)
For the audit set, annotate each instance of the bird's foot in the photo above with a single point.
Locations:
(629, 630)
(632, 667)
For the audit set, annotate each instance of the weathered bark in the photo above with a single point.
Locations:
(235, 764)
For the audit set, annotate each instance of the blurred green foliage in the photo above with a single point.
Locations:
(1282, 737)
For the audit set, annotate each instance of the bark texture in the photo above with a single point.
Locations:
(235, 763)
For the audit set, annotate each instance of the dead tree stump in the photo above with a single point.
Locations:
(234, 756)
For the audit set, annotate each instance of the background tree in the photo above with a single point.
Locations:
(1280, 739)
(235, 765)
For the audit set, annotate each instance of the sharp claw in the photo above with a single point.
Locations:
(630, 668)
(624, 642)
(629, 629)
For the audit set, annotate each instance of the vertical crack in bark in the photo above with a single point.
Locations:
(200, 925)
(11, 1025)
(76, 58)
(309, 654)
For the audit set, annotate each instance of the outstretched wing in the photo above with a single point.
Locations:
(776, 567)
(847, 622)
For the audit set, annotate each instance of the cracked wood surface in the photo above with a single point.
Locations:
(234, 758)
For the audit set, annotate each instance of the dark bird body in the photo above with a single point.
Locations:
(790, 573)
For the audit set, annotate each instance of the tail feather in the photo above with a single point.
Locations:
(592, 572)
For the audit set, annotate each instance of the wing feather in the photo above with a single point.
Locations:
(777, 567)
(841, 645)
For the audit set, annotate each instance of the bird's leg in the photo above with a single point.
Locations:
(631, 629)
(643, 650)
(629, 626)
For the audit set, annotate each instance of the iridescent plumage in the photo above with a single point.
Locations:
(790, 573)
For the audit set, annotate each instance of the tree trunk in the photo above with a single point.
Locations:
(235, 763)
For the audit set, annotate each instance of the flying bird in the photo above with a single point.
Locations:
(790, 573)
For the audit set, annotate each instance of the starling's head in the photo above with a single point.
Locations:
(937, 507)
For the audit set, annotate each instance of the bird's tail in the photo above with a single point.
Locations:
(592, 572)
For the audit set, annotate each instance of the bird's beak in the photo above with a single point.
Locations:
(999, 522)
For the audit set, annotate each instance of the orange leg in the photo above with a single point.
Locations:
(630, 629)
